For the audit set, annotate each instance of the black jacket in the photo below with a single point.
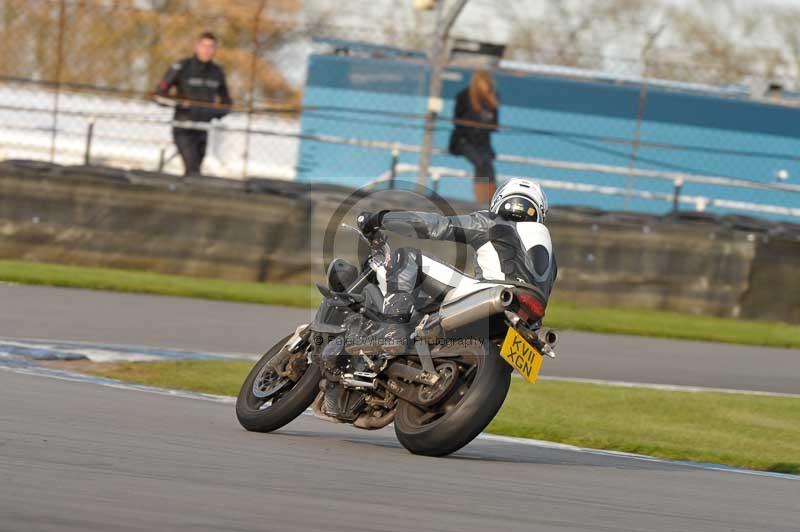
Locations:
(478, 137)
(196, 81)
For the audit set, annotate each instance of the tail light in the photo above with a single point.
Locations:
(530, 308)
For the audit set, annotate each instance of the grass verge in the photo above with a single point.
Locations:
(657, 324)
(747, 431)
(156, 283)
(559, 314)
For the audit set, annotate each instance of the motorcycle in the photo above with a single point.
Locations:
(441, 388)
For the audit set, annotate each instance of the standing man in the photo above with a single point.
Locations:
(201, 94)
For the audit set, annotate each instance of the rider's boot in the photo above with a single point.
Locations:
(392, 332)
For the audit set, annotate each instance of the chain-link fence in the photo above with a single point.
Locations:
(610, 142)
(76, 79)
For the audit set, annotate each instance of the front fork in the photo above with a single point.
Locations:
(278, 362)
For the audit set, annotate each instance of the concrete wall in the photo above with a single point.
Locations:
(166, 227)
(263, 230)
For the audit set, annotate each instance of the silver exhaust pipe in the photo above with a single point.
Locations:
(475, 307)
(548, 336)
(368, 422)
(349, 382)
(316, 409)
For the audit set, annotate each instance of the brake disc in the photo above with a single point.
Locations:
(267, 382)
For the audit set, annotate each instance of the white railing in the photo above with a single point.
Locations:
(108, 136)
(699, 203)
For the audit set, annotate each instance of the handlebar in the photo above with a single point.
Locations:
(356, 230)
(378, 243)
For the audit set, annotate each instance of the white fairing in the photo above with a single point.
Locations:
(443, 273)
(466, 288)
(462, 284)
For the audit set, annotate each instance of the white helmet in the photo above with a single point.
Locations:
(520, 200)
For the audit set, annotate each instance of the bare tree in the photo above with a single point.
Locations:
(784, 25)
(127, 44)
(707, 42)
(574, 33)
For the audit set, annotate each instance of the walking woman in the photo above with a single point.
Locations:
(475, 118)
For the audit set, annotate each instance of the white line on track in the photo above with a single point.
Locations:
(111, 383)
(113, 352)
(77, 377)
(102, 352)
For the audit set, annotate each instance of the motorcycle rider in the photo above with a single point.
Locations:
(510, 240)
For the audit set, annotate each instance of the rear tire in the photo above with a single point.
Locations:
(462, 424)
(292, 400)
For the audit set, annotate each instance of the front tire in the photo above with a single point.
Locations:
(463, 417)
(277, 403)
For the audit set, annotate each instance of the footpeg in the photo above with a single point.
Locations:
(348, 380)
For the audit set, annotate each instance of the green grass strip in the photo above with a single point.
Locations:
(157, 283)
(560, 315)
(749, 431)
(218, 377)
(659, 324)
(754, 432)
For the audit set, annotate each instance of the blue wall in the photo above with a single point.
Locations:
(563, 119)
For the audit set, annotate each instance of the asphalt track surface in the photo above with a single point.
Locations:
(83, 457)
(211, 326)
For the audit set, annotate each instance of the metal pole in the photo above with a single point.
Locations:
(635, 144)
(435, 176)
(162, 158)
(62, 6)
(87, 155)
(640, 107)
(393, 167)
(676, 198)
(438, 61)
(252, 87)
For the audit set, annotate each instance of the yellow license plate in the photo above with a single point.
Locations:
(521, 355)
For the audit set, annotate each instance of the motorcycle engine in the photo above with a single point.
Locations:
(340, 401)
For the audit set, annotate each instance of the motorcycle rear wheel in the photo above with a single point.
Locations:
(461, 416)
(278, 401)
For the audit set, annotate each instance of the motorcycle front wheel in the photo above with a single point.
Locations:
(479, 392)
(268, 401)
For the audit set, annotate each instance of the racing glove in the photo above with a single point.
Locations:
(370, 222)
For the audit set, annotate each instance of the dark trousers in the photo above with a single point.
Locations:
(482, 159)
(191, 144)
